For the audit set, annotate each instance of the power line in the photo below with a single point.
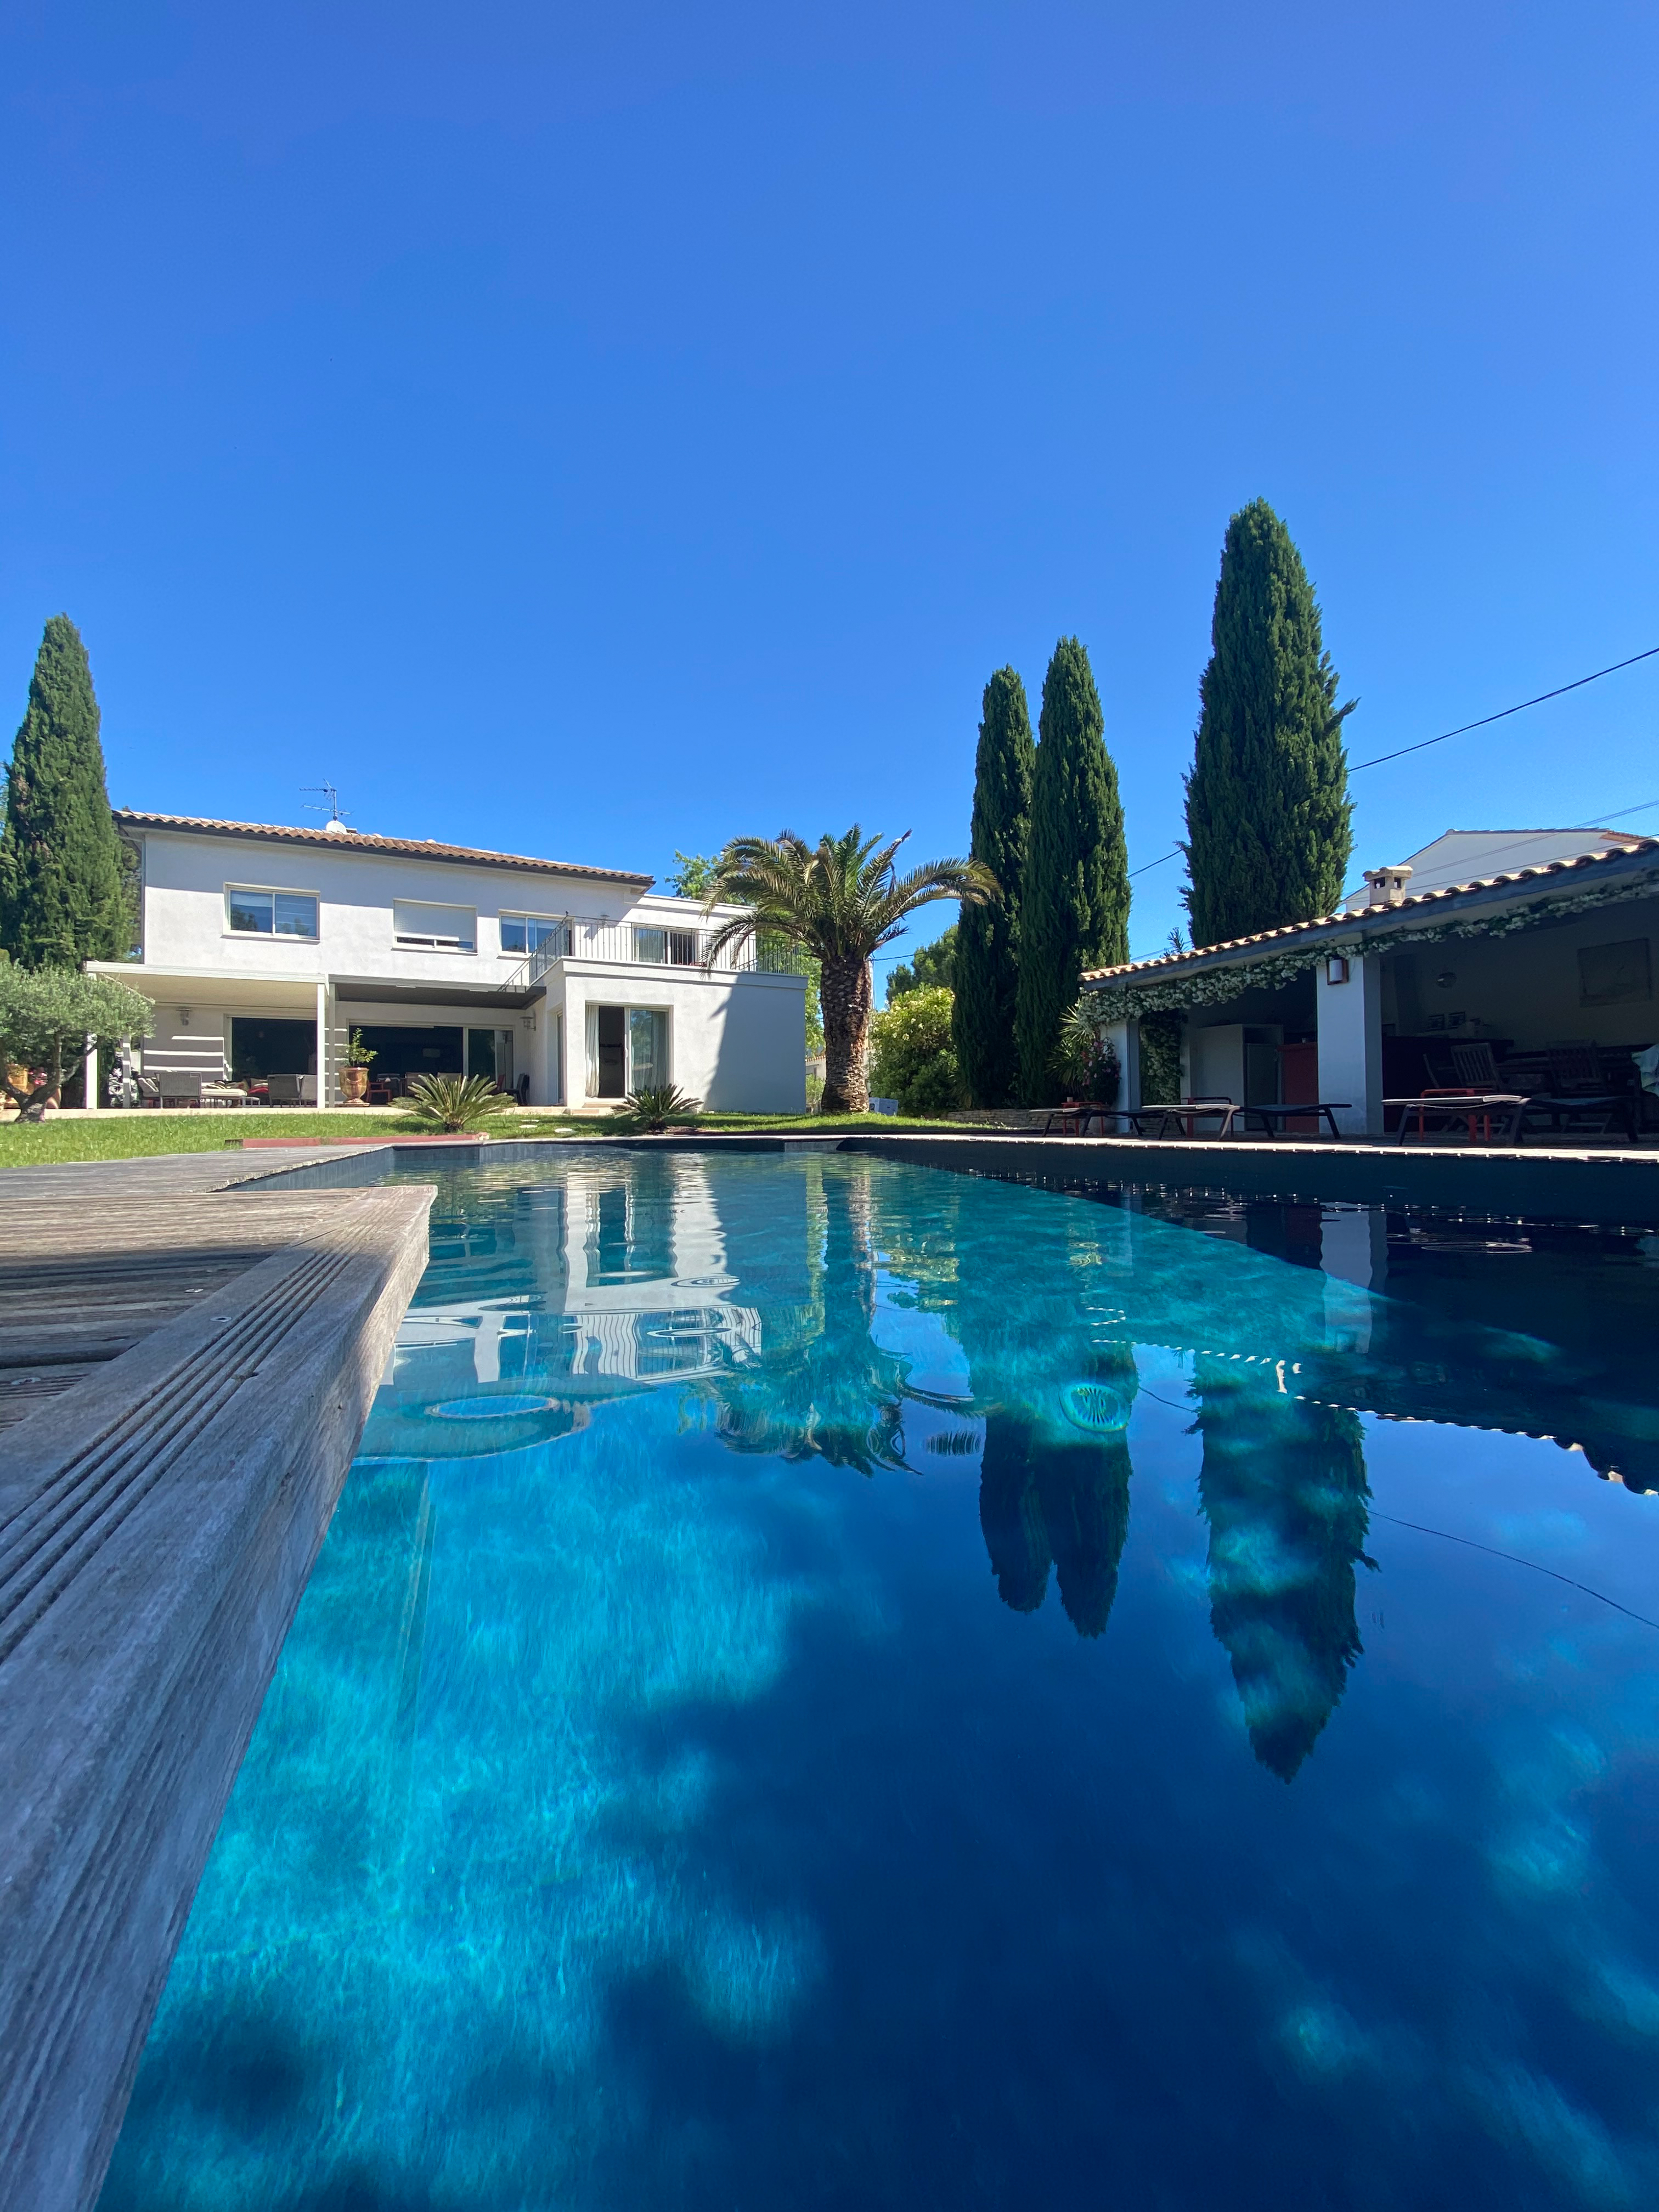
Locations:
(1577, 684)
(1462, 730)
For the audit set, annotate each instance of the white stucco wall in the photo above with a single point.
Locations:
(737, 1043)
(184, 879)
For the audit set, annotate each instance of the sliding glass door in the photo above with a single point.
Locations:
(627, 1049)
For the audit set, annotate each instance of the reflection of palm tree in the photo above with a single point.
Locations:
(830, 1392)
(1283, 1487)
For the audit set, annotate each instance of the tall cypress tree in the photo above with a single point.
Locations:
(1075, 911)
(987, 966)
(64, 896)
(1267, 813)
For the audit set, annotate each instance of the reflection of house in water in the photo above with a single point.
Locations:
(546, 1296)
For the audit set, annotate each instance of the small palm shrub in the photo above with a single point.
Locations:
(654, 1106)
(454, 1102)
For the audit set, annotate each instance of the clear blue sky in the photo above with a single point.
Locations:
(592, 431)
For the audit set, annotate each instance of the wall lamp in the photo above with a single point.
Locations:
(1336, 968)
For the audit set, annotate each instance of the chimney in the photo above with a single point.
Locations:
(1385, 886)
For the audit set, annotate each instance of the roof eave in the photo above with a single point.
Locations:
(1521, 886)
(276, 833)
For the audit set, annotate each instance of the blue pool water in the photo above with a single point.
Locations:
(840, 1685)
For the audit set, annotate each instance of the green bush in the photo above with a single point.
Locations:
(912, 1057)
(456, 1102)
(1160, 1058)
(652, 1108)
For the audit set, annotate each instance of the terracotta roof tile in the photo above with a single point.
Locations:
(355, 841)
(1175, 961)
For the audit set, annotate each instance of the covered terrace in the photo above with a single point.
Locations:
(1537, 983)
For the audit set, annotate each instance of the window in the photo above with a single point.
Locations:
(627, 1049)
(270, 914)
(671, 948)
(528, 933)
(423, 928)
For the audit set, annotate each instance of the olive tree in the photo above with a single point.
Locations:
(46, 1016)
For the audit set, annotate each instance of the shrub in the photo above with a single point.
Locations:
(912, 1056)
(1087, 1060)
(654, 1106)
(1160, 1058)
(453, 1101)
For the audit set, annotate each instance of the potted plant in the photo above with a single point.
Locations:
(353, 1076)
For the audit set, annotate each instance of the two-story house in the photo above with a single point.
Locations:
(265, 949)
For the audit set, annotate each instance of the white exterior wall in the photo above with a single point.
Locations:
(1349, 1017)
(184, 922)
(737, 1040)
(736, 1044)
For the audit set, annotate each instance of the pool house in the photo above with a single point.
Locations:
(267, 950)
(1515, 959)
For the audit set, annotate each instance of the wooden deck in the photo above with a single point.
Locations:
(185, 1371)
(89, 1271)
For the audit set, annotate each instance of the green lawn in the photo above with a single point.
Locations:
(139, 1134)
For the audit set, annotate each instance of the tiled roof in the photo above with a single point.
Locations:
(355, 841)
(1170, 965)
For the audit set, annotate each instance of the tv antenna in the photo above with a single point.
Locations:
(336, 819)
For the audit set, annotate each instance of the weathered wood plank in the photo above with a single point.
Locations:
(159, 1517)
(155, 1538)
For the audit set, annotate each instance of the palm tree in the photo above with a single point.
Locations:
(837, 901)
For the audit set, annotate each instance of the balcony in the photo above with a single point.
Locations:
(650, 946)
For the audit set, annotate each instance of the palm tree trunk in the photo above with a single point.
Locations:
(844, 993)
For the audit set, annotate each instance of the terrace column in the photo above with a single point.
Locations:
(1348, 1003)
(1124, 1037)
(90, 1096)
(322, 1046)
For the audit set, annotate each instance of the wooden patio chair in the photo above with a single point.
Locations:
(1476, 1067)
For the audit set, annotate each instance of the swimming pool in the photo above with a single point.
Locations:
(837, 1684)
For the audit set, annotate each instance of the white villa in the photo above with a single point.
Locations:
(265, 949)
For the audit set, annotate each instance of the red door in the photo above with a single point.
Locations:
(1298, 1075)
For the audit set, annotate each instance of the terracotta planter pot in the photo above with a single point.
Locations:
(354, 1082)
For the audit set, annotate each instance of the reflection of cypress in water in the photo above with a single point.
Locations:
(1084, 1489)
(1011, 1513)
(1068, 1502)
(1284, 1490)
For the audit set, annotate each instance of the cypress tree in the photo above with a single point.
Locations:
(64, 894)
(987, 966)
(1267, 813)
(1075, 911)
